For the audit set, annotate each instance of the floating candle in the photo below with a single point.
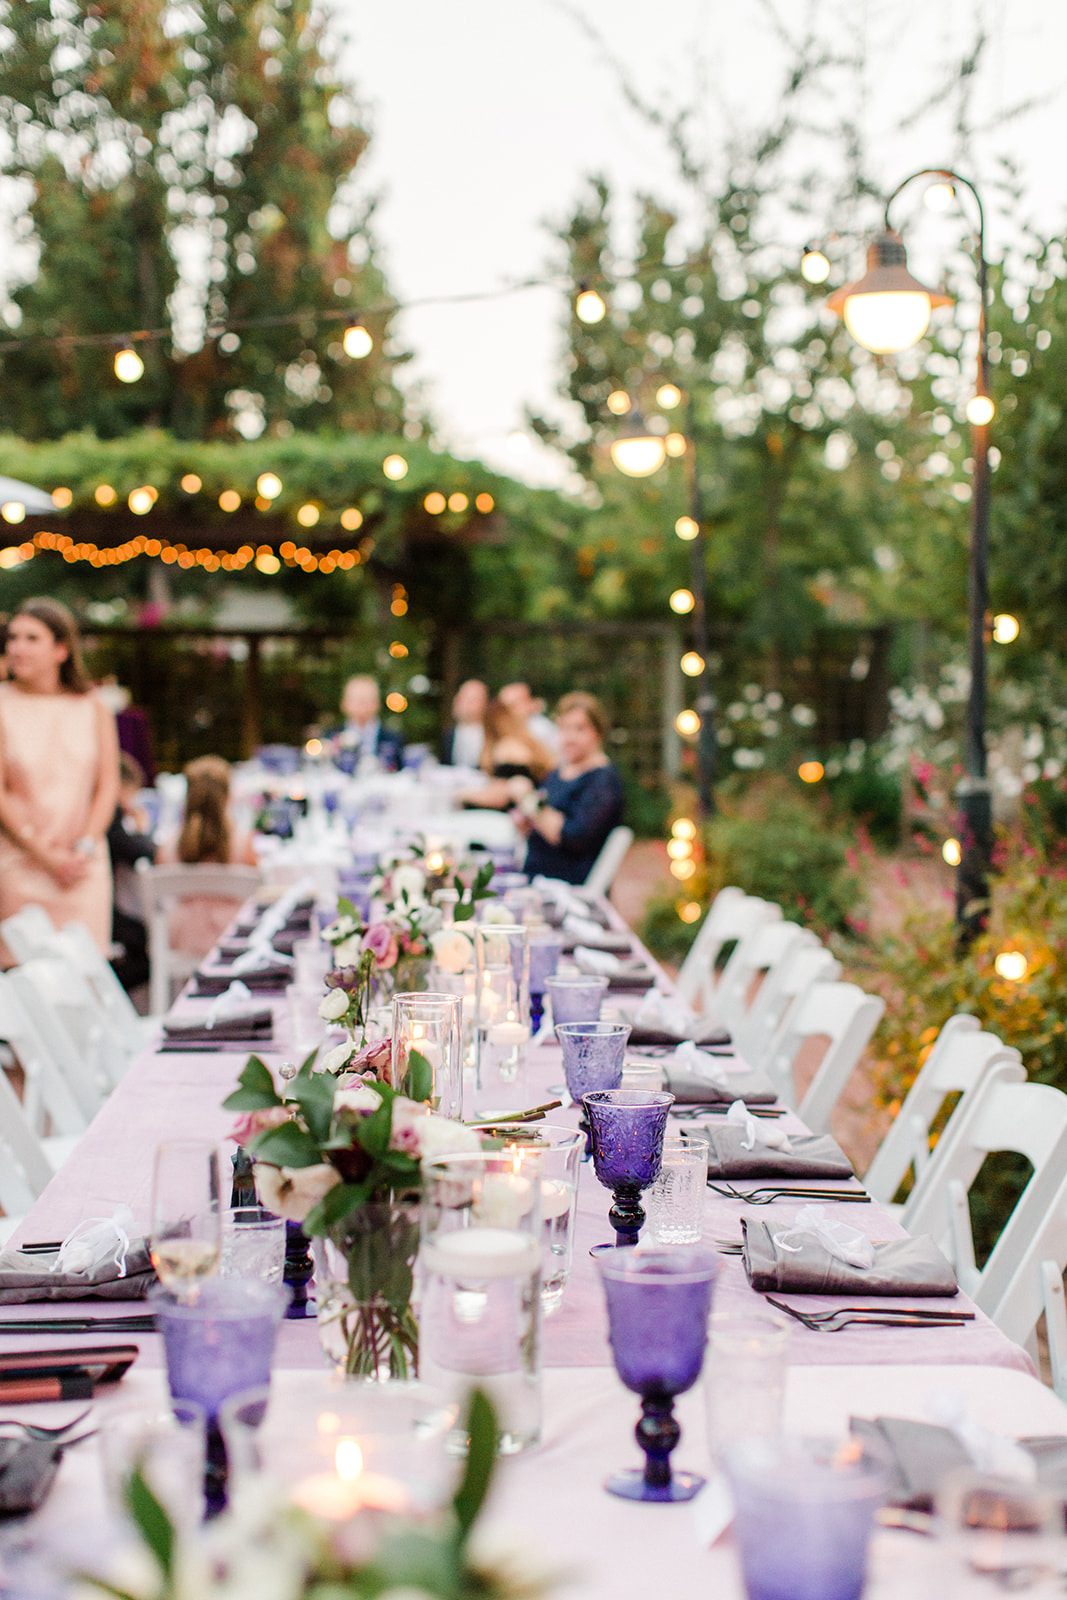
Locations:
(507, 1035)
(478, 1254)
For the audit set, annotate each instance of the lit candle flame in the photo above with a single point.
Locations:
(348, 1459)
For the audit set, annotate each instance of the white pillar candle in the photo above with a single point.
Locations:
(556, 1197)
(507, 1035)
(479, 1254)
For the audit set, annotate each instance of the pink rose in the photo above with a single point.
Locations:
(380, 940)
(404, 1128)
(375, 1057)
(254, 1122)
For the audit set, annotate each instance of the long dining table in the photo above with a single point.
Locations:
(549, 1501)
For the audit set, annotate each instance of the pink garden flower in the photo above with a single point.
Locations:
(380, 940)
(254, 1122)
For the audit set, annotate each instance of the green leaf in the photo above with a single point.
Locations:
(287, 1146)
(418, 1081)
(155, 1526)
(374, 1132)
(464, 911)
(336, 1204)
(481, 1459)
(345, 908)
(313, 1093)
(256, 1091)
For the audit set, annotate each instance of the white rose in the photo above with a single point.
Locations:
(343, 928)
(335, 1060)
(333, 1005)
(292, 1192)
(438, 1136)
(452, 950)
(356, 1099)
(408, 881)
(496, 911)
(348, 952)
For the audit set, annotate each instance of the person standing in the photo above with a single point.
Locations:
(362, 737)
(583, 797)
(59, 775)
(462, 744)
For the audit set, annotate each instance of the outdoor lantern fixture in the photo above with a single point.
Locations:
(635, 451)
(886, 311)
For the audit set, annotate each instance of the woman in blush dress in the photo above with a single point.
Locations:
(59, 776)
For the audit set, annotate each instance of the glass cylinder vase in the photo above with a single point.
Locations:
(364, 1277)
(431, 1025)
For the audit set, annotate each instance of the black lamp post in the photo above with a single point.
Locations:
(886, 311)
(638, 452)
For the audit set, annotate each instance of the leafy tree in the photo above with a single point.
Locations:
(189, 166)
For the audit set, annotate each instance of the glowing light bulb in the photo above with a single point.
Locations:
(141, 501)
(980, 410)
(357, 341)
(675, 445)
(457, 502)
(682, 601)
(687, 723)
(618, 402)
(191, 483)
(638, 455)
(269, 485)
(692, 664)
(62, 498)
(229, 500)
(128, 365)
(485, 503)
(1011, 964)
(889, 321)
(668, 395)
(1005, 628)
(814, 266)
(939, 196)
(104, 494)
(679, 849)
(683, 869)
(684, 828)
(689, 911)
(13, 511)
(396, 702)
(351, 519)
(267, 562)
(589, 307)
(395, 467)
(435, 503)
(686, 528)
(951, 852)
(308, 515)
(810, 771)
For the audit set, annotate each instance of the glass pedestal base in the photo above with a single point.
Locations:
(630, 1485)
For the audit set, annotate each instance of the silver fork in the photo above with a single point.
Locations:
(838, 1321)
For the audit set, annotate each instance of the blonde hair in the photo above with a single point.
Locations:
(206, 833)
(591, 706)
(501, 722)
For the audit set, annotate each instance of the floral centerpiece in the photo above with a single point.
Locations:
(265, 1546)
(343, 1157)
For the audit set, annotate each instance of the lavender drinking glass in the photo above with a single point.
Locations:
(545, 951)
(626, 1130)
(658, 1306)
(575, 998)
(593, 1055)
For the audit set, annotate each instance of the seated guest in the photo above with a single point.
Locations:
(207, 834)
(517, 697)
(129, 841)
(514, 760)
(462, 744)
(583, 796)
(362, 737)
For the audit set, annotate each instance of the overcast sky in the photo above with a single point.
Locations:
(488, 115)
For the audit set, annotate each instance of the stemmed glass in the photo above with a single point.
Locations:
(185, 1234)
(626, 1128)
(658, 1307)
(593, 1057)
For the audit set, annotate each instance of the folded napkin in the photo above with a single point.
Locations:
(696, 1078)
(660, 1019)
(582, 926)
(922, 1454)
(628, 982)
(808, 1155)
(265, 980)
(26, 1277)
(255, 1026)
(27, 1468)
(806, 1266)
(616, 944)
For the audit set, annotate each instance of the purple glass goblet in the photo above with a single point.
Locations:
(626, 1131)
(574, 998)
(593, 1055)
(658, 1307)
(545, 951)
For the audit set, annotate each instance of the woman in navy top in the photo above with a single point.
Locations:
(583, 796)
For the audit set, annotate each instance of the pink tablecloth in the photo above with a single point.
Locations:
(176, 1094)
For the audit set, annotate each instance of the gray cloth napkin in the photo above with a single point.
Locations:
(26, 1277)
(901, 1267)
(250, 1025)
(641, 1035)
(27, 1468)
(753, 1086)
(922, 1454)
(808, 1156)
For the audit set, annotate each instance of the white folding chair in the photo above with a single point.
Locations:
(755, 957)
(53, 983)
(843, 1015)
(611, 857)
(28, 932)
(782, 990)
(77, 943)
(49, 1098)
(731, 915)
(1027, 1118)
(957, 1064)
(27, 1163)
(162, 887)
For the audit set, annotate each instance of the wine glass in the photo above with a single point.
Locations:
(658, 1307)
(626, 1128)
(185, 1235)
